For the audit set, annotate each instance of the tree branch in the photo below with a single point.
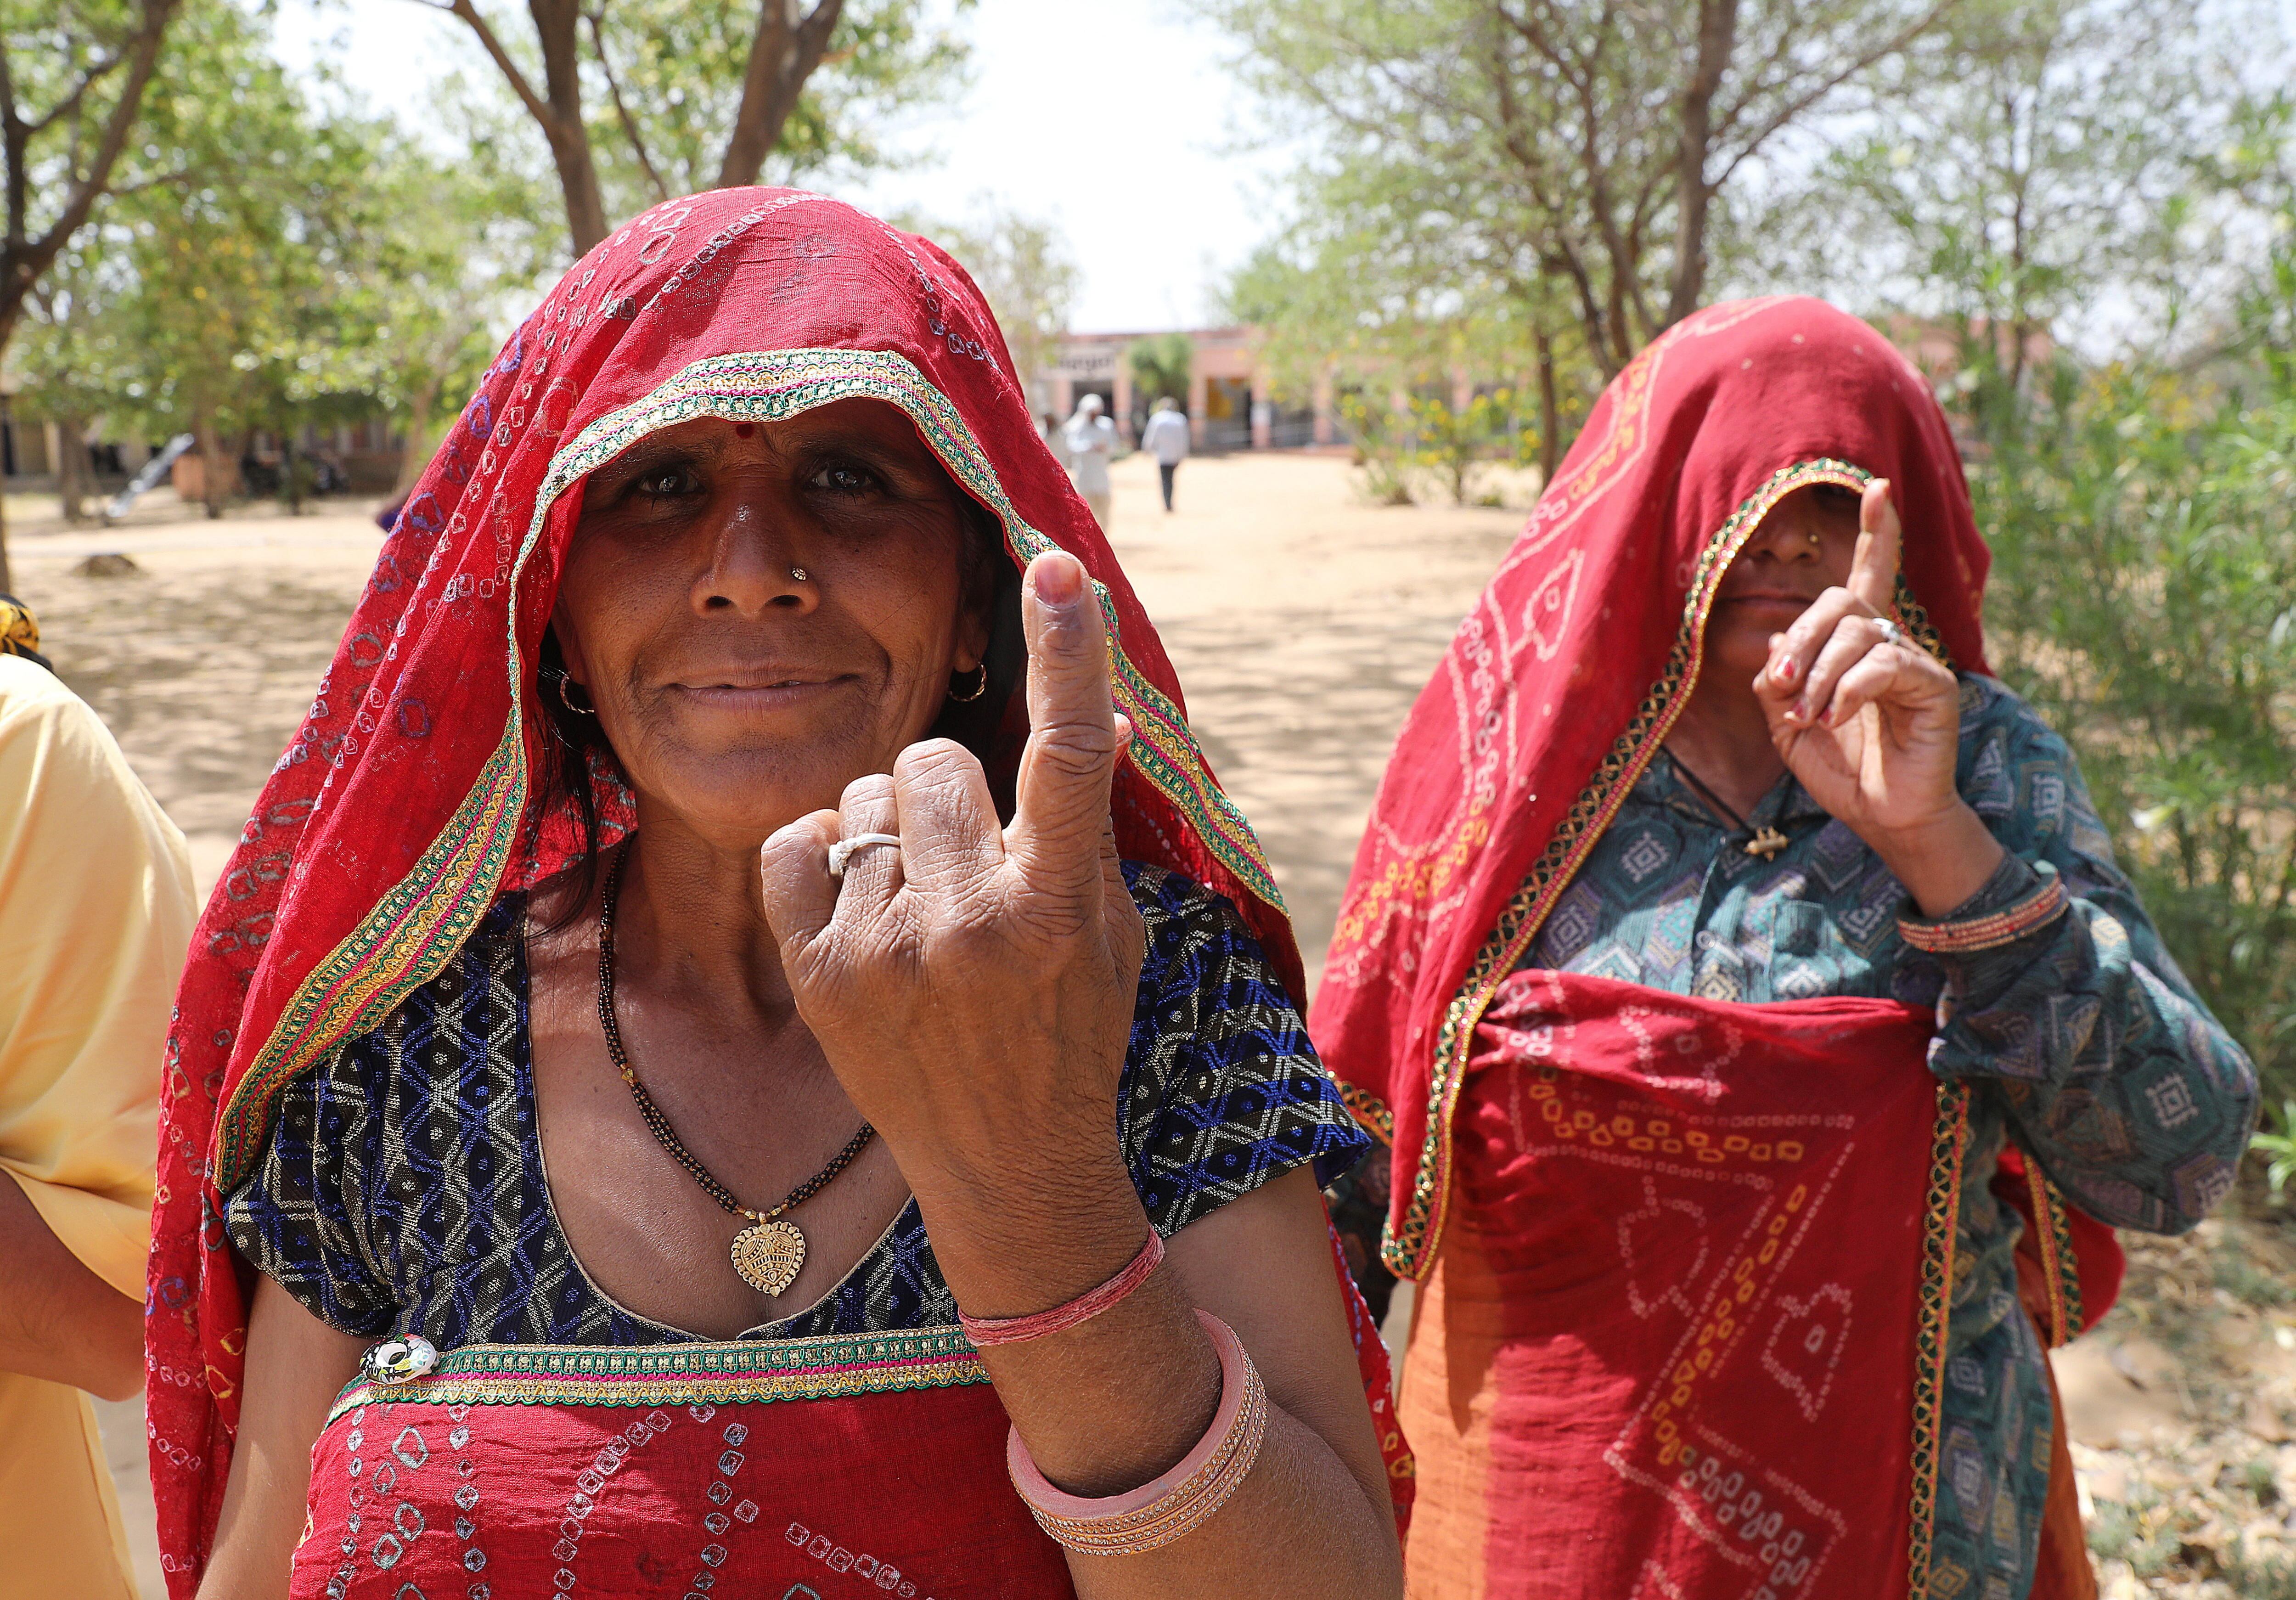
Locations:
(783, 55)
(597, 20)
(26, 258)
(70, 104)
(1718, 39)
(536, 106)
(1794, 108)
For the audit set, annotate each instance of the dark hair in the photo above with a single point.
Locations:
(989, 581)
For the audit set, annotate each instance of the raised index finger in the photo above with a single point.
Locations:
(1874, 570)
(1062, 795)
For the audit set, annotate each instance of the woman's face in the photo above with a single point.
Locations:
(738, 696)
(1803, 547)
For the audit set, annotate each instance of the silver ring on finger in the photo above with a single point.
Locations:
(843, 851)
(1891, 634)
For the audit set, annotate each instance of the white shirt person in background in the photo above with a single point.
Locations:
(1166, 435)
(1091, 443)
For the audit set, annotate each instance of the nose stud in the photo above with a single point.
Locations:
(799, 573)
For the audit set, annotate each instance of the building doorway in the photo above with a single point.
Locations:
(1227, 414)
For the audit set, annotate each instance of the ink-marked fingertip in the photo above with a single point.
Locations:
(1059, 579)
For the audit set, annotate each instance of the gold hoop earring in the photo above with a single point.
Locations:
(566, 682)
(979, 686)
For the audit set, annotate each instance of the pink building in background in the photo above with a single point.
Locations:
(1231, 400)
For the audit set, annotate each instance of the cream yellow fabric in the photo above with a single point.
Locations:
(95, 913)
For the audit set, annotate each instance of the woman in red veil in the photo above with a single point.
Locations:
(687, 1081)
(1761, 1029)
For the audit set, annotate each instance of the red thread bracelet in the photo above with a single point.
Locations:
(1015, 1330)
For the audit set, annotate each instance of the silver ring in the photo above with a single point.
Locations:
(843, 851)
(1891, 634)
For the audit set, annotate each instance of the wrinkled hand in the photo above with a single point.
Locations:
(973, 990)
(1869, 728)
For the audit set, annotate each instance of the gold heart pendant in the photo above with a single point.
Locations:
(769, 1255)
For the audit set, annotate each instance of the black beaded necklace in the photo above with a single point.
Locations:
(770, 1252)
(1766, 841)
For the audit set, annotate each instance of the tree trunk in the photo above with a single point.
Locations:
(555, 23)
(74, 482)
(786, 49)
(288, 481)
(416, 454)
(1550, 419)
(1717, 38)
(557, 111)
(211, 465)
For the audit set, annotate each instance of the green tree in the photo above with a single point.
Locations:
(273, 260)
(2134, 478)
(1160, 365)
(639, 100)
(2062, 166)
(1023, 268)
(1574, 152)
(72, 79)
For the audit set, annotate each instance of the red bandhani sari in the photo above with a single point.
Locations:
(408, 801)
(1684, 1266)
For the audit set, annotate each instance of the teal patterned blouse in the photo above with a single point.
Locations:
(2082, 1041)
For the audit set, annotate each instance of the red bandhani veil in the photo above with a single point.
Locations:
(408, 798)
(1533, 1116)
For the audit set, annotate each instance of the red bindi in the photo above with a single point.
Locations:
(743, 429)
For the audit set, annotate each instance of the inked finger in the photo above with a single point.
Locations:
(947, 817)
(1874, 570)
(1062, 799)
(873, 873)
(800, 896)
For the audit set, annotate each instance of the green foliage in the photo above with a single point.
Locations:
(1161, 364)
(2060, 170)
(1561, 157)
(274, 259)
(2278, 1148)
(2144, 527)
(1429, 438)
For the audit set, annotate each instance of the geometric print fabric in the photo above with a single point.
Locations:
(2083, 1041)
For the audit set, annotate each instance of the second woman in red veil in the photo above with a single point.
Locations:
(1760, 1025)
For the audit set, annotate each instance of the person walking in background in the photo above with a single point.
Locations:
(1767, 1041)
(1167, 436)
(1091, 443)
(1049, 427)
(95, 913)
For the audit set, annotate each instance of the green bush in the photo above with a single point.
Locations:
(1430, 437)
(2144, 529)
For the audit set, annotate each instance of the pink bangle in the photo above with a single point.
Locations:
(1967, 936)
(1013, 1329)
(1176, 1502)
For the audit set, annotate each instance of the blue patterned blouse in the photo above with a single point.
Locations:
(402, 1189)
(2081, 1040)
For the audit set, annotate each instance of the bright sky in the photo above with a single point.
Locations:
(1054, 127)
